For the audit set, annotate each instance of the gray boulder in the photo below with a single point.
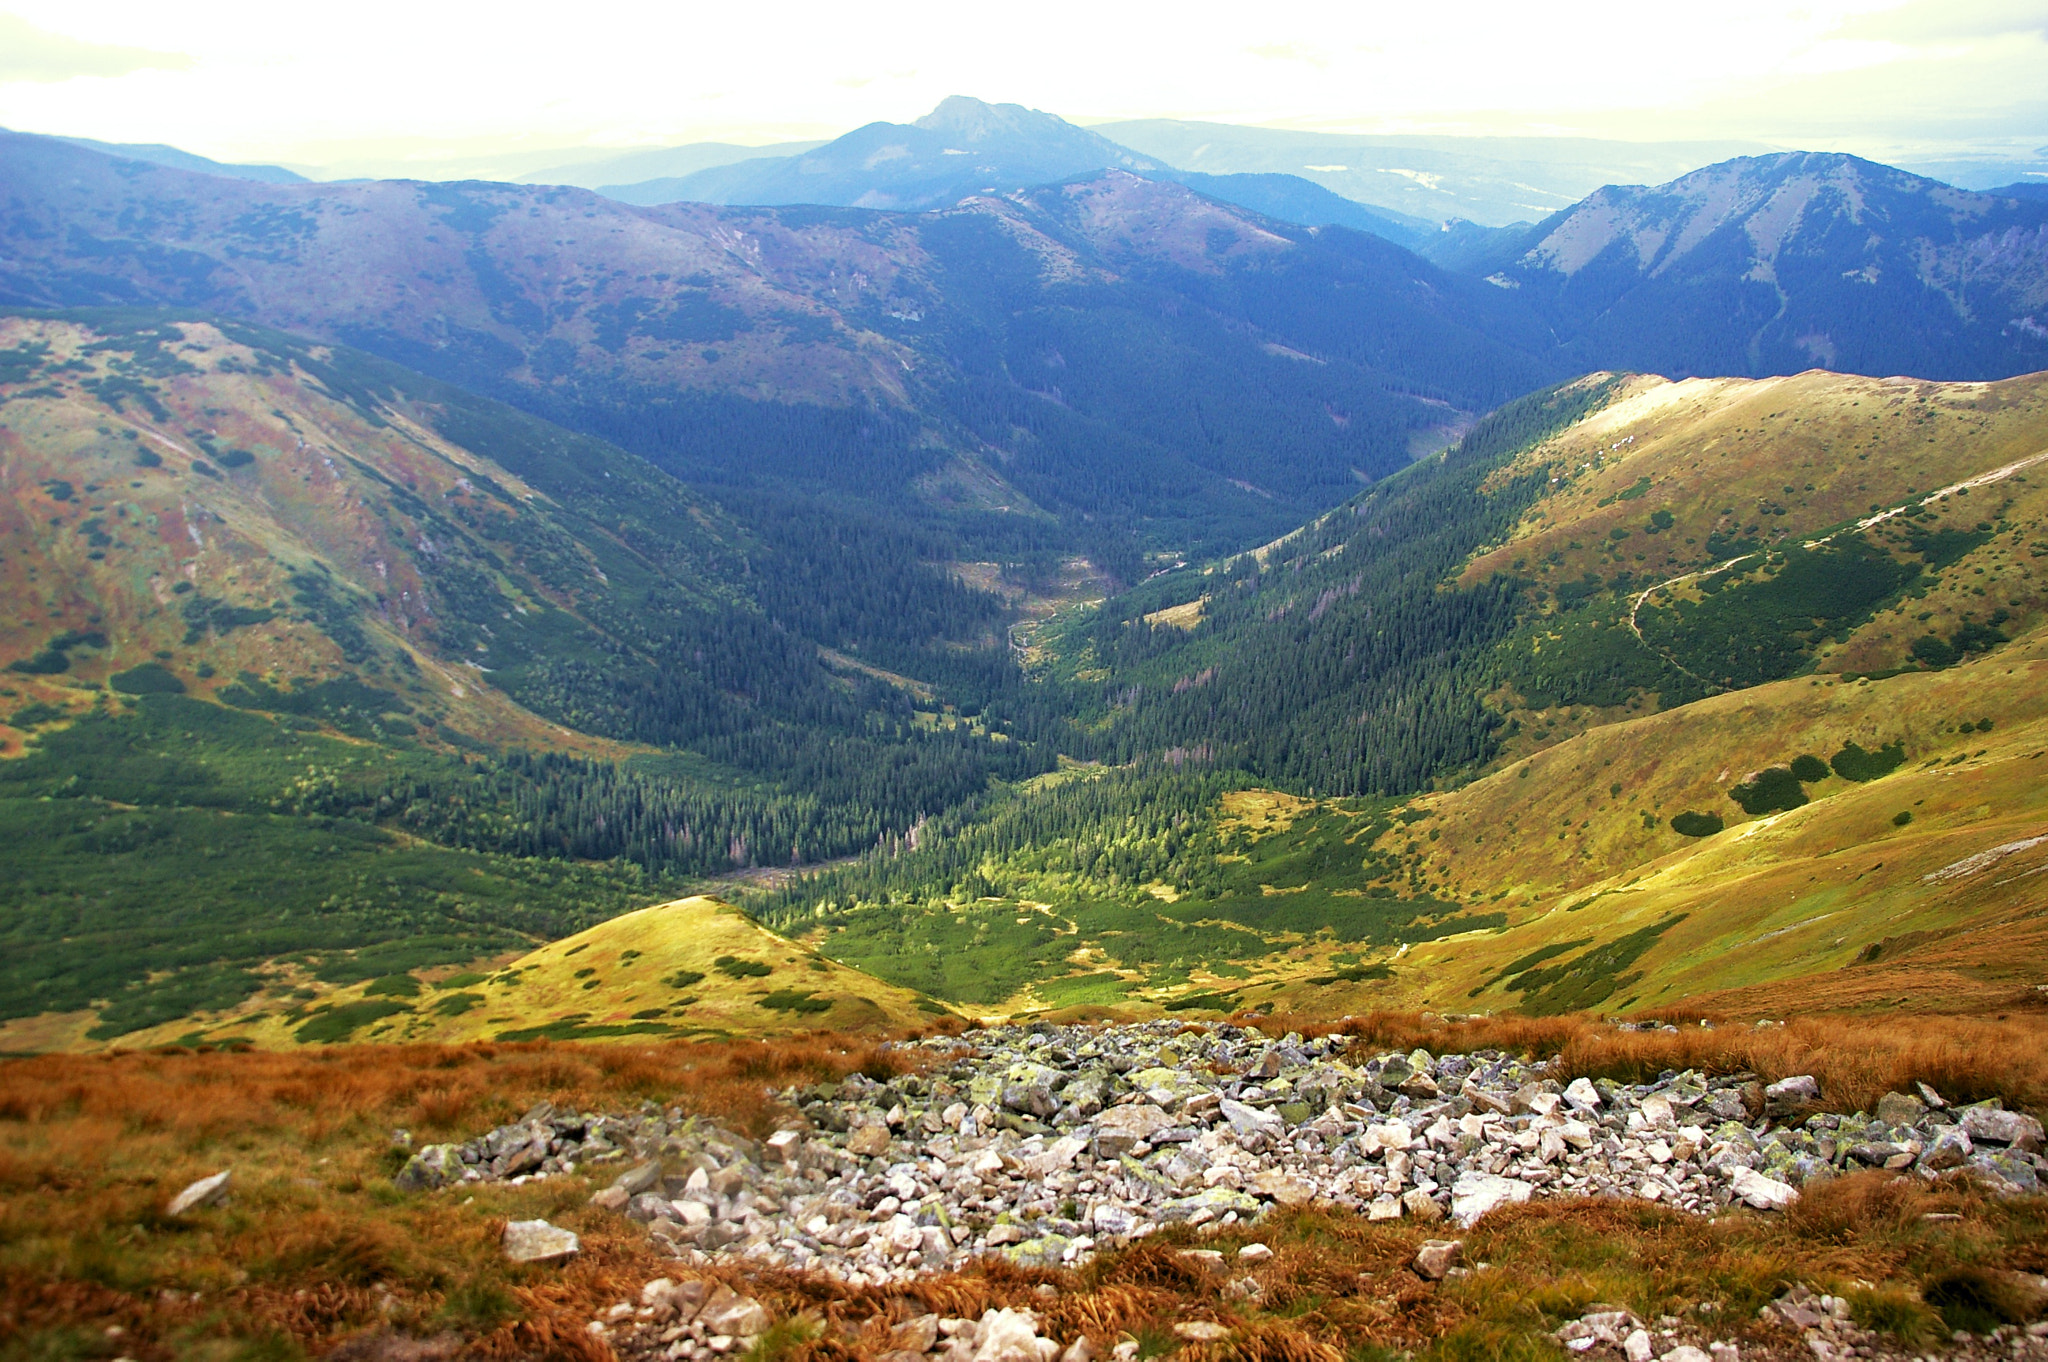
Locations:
(2003, 1127)
(2008, 1173)
(1898, 1109)
(1791, 1096)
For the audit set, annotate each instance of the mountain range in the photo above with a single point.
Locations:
(1492, 181)
(1103, 590)
(965, 147)
(1112, 360)
(1776, 263)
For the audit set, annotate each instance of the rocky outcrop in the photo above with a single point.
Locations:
(1043, 1144)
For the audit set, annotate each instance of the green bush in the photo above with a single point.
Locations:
(735, 968)
(1933, 653)
(340, 1022)
(1853, 763)
(29, 716)
(151, 678)
(1809, 768)
(1692, 824)
(794, 1000)
(393, 986)
(1769, 791)
(1902, 817)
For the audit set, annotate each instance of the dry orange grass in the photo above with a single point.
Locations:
(314, 1244)
(1856, 1059)
(317, 1253)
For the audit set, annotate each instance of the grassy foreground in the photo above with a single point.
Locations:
(316, 1247)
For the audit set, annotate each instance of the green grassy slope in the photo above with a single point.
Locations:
(691, 967)
(306, 656)
(1835, 694)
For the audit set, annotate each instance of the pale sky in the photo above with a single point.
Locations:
(424, 87)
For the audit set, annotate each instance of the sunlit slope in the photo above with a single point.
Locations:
(1699, 682)
(1902, 510)
(1919, 888)
(692, 967)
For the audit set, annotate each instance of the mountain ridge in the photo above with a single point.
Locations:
(839, 348)
(1779, 262)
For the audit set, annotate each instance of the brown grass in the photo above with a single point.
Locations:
(314, 1244)
(316, 1248)
(1856, 1059)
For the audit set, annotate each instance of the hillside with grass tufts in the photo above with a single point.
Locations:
(314, 671)
(1717, 693)
(693, 969)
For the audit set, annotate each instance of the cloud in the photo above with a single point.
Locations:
(32, 54)
(1937, 21)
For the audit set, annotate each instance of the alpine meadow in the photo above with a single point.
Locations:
(1004, 739)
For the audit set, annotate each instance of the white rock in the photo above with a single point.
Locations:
(1636, 1347)
(1010, 1336)
(1201, 1330)
(1435, 1259)
(1685, 1352)
(1391, 1135)
(536, 1241)
(204, 1192)
(1581, 1093)
(1764, 1193)
(1255, 1253)
(1058, 1156)
(1474, 1194)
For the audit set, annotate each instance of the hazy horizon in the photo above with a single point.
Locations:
(426, 91)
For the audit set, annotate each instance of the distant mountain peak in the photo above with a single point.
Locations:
(967, 119)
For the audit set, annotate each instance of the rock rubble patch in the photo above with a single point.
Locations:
(1044, 1144)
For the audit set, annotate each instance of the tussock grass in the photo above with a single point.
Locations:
(316, 1253)
(1856, 1059)
(314, 1244)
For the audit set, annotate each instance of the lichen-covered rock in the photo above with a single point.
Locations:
(436, 1165)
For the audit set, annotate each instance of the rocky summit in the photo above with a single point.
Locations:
(1043, 1143)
